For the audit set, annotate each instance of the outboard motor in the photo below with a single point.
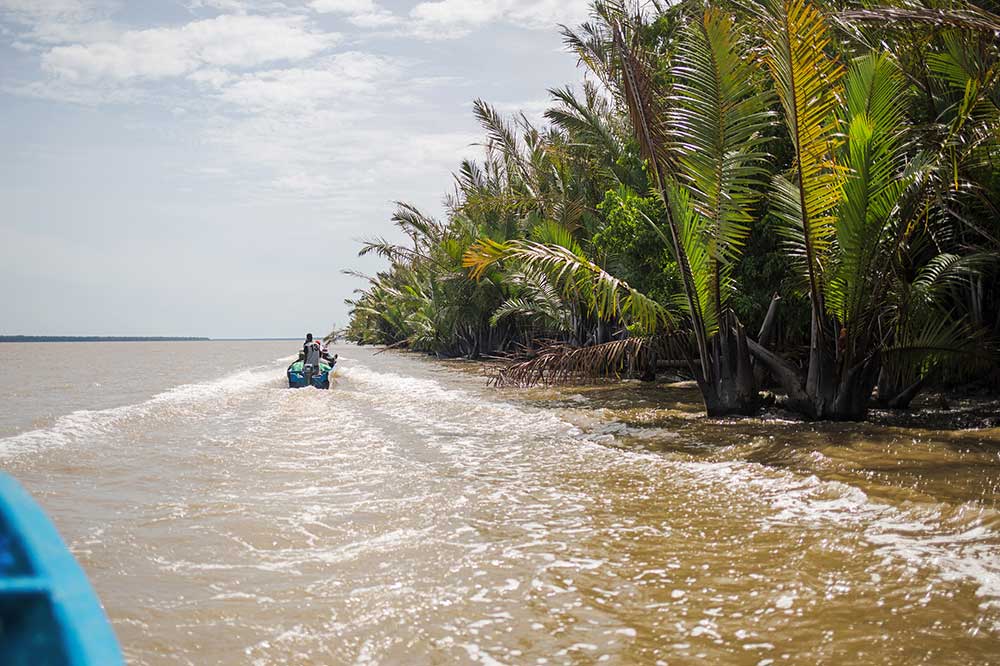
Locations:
(316, 373)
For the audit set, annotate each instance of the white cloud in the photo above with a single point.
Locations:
(377, 19)
(546, 14)
(25, 10)
(342, 160)
(239, 6)
(362, 13)
(70, 31)
(59, 21)
(446, 19)
(265, 91)
(344, 6)
(211, 76)
(457, 12)
(58, 90)
(225, 41)
(333, 79)
(213, 171)
(457, 17)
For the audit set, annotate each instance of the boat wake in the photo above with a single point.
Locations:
(424, 512)
(83, 427)
(488, 438)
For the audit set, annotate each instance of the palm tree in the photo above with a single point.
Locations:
(888, 201)
(701, 138)
(844, 213)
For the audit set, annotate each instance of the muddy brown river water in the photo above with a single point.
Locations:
(412, 515)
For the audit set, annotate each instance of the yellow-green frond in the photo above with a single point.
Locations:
(808, 83)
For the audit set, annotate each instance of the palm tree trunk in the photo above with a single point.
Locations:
(731, 389)
(831, 391)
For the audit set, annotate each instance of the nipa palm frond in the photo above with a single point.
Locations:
(872, 187)
(415, 224)
(807, 82)
(973, 18)
(605, 295)
(716, 120)
(559, 364)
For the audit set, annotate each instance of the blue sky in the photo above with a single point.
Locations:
(205, 167)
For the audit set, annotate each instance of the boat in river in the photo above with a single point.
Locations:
(300, 375)
(49, 614)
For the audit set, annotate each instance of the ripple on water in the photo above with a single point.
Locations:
(409, 516)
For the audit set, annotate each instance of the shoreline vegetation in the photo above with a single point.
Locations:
(793, 204)
(960, 407)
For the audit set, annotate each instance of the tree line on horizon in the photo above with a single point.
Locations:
(795, 194)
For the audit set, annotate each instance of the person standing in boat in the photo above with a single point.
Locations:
(310, 358)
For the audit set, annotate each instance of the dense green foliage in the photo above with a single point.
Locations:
(844, 158)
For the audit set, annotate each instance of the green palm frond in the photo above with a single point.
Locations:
(500, 132)
(807, 82)
(944, 272)
(645, 104)
(414, 223)
(386, 249)
(972, 74)
(550, 232)
(503, 135)
(592, 44)
(695, 230)
(939, 338)
(716, 120)
(585, 122)
(538, 301)
(470, 177)
(576, 276)
(515, 307)
(358, 274)
(872, 187)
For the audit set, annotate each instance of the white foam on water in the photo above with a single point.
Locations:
(960, 544)
(82, 426)
(956, 542)
(387, 464)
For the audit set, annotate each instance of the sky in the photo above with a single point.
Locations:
(208, 167)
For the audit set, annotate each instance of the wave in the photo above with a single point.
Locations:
(959, 542)
(527, 458)
(82, 426)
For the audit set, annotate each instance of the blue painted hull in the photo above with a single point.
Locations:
(49, 614)
(297, 379)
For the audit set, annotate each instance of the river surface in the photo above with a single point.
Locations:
(412, 515)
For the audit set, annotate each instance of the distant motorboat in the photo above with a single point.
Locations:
(49, 613)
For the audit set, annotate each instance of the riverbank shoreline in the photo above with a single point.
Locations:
(969, 407)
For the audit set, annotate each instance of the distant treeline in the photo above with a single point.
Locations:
(91, 338)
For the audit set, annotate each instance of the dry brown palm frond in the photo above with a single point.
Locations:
(560, 363)
(974, 19)
(358, 274)
(642, 98)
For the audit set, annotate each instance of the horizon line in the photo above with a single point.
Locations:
(134, 338)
